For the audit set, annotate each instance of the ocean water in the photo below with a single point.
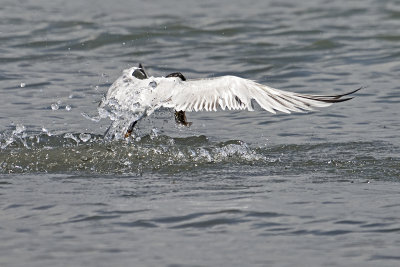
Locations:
(236, 188)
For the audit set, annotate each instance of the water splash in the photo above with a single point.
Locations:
(85, 137)
(127, 100)
(17, 134)
(23, 152)
(120, 116)
(71, 136)
(55, 106)
(19, 129)
(92, 153)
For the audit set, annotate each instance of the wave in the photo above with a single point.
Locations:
(88, 153)
(85, 152)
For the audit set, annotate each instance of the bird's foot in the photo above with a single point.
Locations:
(180, 118)
(128, 134)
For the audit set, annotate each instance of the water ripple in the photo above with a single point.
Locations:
(243, 188)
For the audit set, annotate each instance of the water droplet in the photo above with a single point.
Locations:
(55, 106)
(70, 135)
(154, 133)
(85, 137)
(44, 130)
(19, 128)
(23, 85)
(68, 107)
(153, 84)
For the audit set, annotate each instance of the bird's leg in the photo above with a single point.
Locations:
(130, 129)
(180, 117)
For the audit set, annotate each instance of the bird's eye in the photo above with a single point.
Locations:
(139, 74)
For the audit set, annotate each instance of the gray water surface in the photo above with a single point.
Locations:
(236, 188)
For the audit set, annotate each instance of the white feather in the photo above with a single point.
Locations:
(226, 92)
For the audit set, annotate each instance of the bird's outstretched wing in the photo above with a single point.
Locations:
(231, 92)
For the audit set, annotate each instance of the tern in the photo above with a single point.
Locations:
(138, 93)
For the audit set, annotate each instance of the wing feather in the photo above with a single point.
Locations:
(231, 92)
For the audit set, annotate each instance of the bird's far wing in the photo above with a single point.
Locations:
(231, 92)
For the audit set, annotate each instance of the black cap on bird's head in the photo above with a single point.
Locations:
(140, 73)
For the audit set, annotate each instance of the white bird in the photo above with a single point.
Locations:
(135, 92)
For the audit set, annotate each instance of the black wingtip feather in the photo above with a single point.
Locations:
(349, 93)
(332, 98)
(338, 100)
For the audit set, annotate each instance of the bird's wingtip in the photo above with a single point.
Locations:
(354, 91)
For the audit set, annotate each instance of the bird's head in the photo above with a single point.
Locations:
(138, 72)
